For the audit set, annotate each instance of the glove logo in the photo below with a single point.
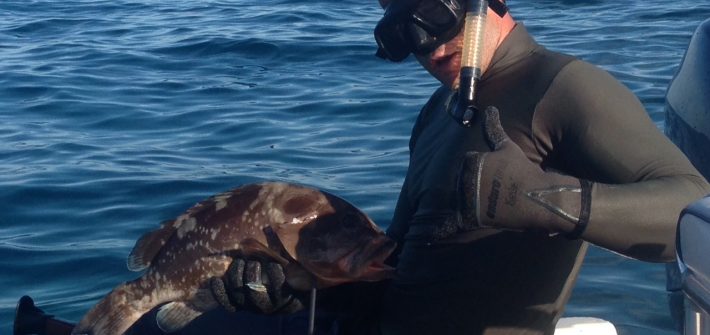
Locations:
(493, 198)
(512, 194)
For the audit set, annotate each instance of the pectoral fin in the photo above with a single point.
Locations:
(296, 276)
(149, 245)
(175, 315)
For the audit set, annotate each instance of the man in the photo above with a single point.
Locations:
(491, 243)
(492, 219)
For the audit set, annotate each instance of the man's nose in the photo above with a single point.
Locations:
(438, 52)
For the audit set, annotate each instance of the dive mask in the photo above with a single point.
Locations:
(421, 26)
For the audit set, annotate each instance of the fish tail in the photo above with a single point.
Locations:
(114, 314)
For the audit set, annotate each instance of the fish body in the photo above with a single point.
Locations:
(320, 239)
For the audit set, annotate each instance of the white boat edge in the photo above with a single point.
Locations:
(584, 326)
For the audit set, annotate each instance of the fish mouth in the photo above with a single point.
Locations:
(367, 263)
(373, 260)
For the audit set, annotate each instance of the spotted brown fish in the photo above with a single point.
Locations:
(320, 239)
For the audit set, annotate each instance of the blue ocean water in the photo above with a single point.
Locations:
(116, 115)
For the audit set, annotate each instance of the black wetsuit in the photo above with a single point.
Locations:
(567, 116)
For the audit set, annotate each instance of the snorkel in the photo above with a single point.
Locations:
(421, 26)
(470, 75)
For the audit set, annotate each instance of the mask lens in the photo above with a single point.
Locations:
(442, 20)
(422, 41)
(392, 41)
(437, 17)
(417, 26)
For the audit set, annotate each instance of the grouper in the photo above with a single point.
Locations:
(320, 240)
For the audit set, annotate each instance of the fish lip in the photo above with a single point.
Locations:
(378, 253)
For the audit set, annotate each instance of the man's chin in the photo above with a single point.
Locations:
(449, 78)
(452, 84)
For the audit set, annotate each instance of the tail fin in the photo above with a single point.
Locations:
(113, 315)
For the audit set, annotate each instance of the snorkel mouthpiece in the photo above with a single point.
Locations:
(465, 109)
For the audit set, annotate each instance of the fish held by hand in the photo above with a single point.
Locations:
(320, 240)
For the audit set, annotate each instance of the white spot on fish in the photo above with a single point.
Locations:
(221, 200)
(255, 202)
(275, 215)
(215, 232)
(180, 219)
(187, 226)
(245, 215)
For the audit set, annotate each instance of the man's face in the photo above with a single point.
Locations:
(444, 63)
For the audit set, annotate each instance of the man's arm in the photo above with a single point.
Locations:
(628, 182)
(643, 180)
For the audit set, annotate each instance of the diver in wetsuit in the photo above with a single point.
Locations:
(492, 219)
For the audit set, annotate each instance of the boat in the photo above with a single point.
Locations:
(687, 117)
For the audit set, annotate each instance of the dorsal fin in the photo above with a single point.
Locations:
(149, 245)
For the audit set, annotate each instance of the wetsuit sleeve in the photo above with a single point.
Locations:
(602, 133)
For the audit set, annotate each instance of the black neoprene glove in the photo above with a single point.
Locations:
(256, 286)
(504, 189)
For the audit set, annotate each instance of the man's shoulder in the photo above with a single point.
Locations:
(439, 95)
(583, 91)
(579, 77)
(437, 100)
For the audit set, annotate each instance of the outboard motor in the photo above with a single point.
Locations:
(688, 126)
(688, 102)
(694, 263)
